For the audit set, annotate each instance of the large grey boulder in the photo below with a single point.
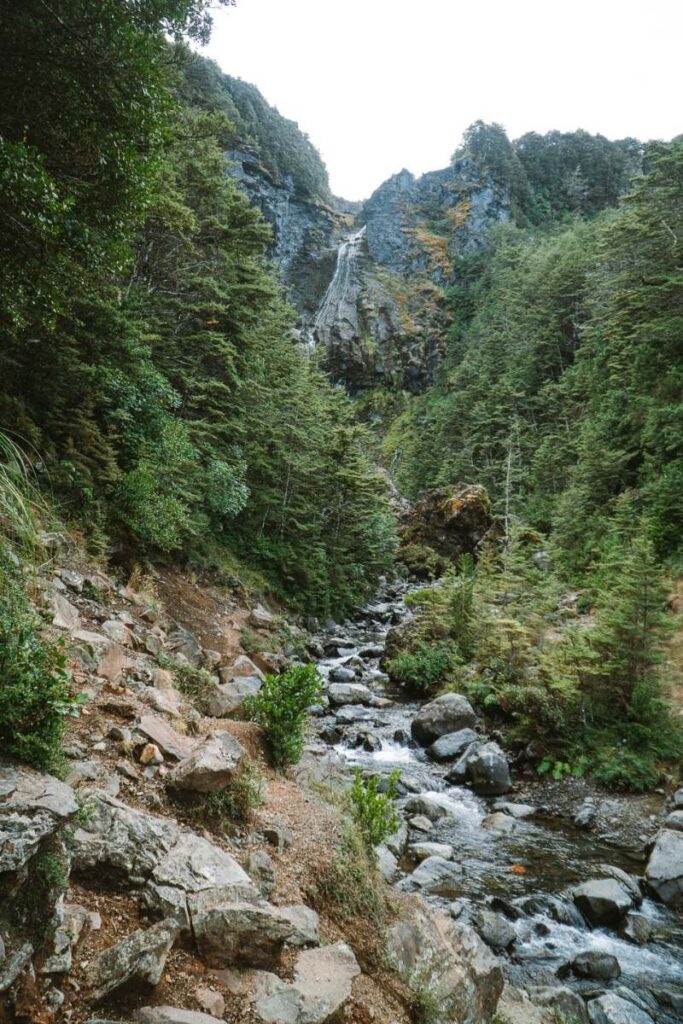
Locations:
(320, 987)
(664, 871)
(140, 956)
(168, 739)
(436, 876)
(562, 1002)
(348, 693)
(211, 766)
(33, 807)
(488, 771)
(451, 745)
(238, 933)
(612, 1009)
(449, 960)
(603, 901)
(226, 700)
(448, 713)
(494, 929)
(595, 964)
(427, 805)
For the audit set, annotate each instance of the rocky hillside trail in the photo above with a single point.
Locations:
(126, 899)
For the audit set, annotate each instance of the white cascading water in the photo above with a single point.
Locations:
(331, 309)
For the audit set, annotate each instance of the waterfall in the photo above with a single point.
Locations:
(337, 306)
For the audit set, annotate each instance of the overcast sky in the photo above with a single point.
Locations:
(383, 84)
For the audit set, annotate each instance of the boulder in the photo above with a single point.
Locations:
(677, 799)
(451, 520)
(596, 965)
(140, 957)
(436, 876)
(457, 775)
(238, 933)
(451, 745)
(499, 822)
(320, 987)
(305, 923)
(427, 806)
(612, 1009)
(211, 766)
(448, 713)
(488, 771)
(64, 614)
(423, 850)
(210, 1000)
(565, 1004)
(674, 821)
(118, 632)
(33, 807)
(160, 732)
(433, 952)
(243, 667)
(227, 699)
(73, 918)
(515, 810)
(341, 674)
(603, 901)
(14, 965)
(348, 693)
(637, 929)
(260, 617)
(350, 713)
(664, 871)
(261, 870)
(387, 863)
(182, 641)
(494, 929)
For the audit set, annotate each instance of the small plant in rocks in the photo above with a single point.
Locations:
(374, 810)
(280, 708)
(240, 797)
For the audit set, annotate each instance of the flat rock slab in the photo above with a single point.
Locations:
(437, 876)
(612, 1009)
(322, 984)
(140, 956)
(211, 766)
(172, 743)
(33, 806)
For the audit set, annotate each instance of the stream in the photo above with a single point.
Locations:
(529, 872)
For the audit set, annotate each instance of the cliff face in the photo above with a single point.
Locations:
(383, 319)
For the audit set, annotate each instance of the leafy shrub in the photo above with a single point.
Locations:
(35, 695)
(374, 811)
(422, 562)
(280, 707)
(238, 799)
(424, 667)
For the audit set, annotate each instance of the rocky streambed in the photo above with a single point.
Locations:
(583, 923)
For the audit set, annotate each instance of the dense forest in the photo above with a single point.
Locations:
(148, 362)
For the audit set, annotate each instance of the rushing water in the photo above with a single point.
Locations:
(333, 308)
(543, 857)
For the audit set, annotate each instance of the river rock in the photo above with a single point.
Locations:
(423, 850)
(436, 876)
(596, 965)
(674, 821)
(341, 674)
(350, 713)
(33, 806)
(226, 699)
(677, 798)
(628, 881)
(448, 713)
(449, 960)
(499, 822)
(564, 1003)
(451, 745)
(457, 775)
(398, 841)
(427, 806)
(387, 863)
(140, 956)
(612, 1009)
(494, 929)
(421, 823)
(603, 901)
(637, 929)
(664, 871)
(488, 771)
(210, 767)
(515, 810)
(348, 693)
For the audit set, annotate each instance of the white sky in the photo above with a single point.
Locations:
(383, 84)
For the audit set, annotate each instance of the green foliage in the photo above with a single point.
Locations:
(349, 886)
(242, 796)
(374, 810)
(35, 696)
(424, 667)
(280, 707)
(195, 683)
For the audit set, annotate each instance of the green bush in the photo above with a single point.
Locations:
(423, 668)
(280, 707)
(238, 799)
(373, 811)
(35, 695)
(349, 885)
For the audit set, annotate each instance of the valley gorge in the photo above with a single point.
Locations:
(340, 559)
